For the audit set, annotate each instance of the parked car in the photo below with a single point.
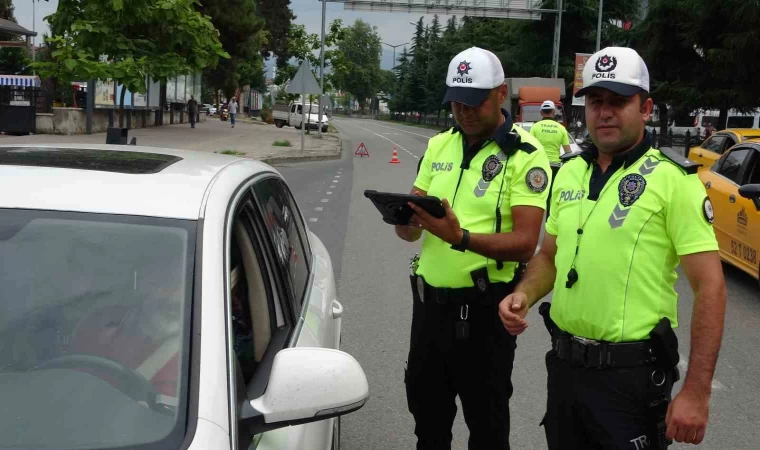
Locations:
(208, 109)
(157, 298)
(292, 115)
(733, 185)
(710, 150)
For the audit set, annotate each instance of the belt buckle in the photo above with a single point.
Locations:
(581, 354)
(586, 341)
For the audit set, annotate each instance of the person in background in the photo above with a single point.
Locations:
(192, 110)
(233, 111)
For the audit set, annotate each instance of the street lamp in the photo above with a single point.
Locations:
(394, 51)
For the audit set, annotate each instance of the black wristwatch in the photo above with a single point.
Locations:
(462, 246)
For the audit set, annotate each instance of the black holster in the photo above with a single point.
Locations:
(665, 345)
(544, 310)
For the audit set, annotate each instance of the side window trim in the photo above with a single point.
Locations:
(742, 168)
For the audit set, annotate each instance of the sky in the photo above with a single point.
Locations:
(394, 28)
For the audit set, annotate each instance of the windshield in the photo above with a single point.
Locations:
(532, 113)
(93, 329)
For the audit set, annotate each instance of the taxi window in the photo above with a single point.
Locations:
(731, 167)
(714, 144)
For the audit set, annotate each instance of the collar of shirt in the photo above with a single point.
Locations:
(502, 136)
(624, 160)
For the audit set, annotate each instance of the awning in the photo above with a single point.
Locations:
(20, 80)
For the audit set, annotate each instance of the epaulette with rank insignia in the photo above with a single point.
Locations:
(568, 156)
(527, 147)
(681, 161)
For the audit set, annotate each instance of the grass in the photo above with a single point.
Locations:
(282, 143)
(229, 151)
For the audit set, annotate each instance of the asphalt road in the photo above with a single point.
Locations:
(372, 267)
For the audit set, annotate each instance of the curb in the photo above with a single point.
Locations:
(310, 158)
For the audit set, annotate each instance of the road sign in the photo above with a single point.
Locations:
(580, 63)
(304, 82)
(361, 150)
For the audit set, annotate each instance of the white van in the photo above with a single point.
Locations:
(739, 120)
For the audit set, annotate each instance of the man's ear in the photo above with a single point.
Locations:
(646, 109)
(503, 93)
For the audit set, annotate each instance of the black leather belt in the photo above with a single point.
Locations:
(494, 292)
(601, 354)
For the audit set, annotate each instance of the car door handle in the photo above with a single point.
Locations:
(337, 309)
(700, 155)
(732, 198)
(708, 185)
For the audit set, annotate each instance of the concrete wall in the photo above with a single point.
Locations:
(74, 120)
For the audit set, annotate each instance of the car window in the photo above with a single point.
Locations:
(714, 144)
(287, 233)
(740, 122)
(292, 108)
(729, 142)
(94, 320)
(754, 177)
(731, 167)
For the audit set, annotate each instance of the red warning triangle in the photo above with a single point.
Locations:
(361, 150)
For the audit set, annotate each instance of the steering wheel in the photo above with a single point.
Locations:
(134, 385)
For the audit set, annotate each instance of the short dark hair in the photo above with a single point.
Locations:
(643, 97)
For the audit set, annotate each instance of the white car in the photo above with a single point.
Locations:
(164, 299)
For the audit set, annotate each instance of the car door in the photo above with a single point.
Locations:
(711, 149)
(287, 235)
(722, 184)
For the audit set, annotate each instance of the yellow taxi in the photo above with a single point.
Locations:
(710, 150)
(733, 185)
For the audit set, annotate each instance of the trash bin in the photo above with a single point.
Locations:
(116, 136)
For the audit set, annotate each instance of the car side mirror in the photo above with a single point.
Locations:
(306, 385)
(750, 191)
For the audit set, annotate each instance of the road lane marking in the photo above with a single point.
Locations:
(403, 131)
(332, 187)
(325, 200)
(392, 142)
(683, 365)
(313, 219)
(318, 208)
(329, 192)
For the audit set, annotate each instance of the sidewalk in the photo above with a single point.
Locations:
(253, 140)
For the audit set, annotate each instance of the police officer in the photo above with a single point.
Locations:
(623, 215)
(493, 180)
(554, 138)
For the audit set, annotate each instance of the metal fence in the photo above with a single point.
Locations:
(678, 142)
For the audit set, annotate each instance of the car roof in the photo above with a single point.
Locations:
(743, 132)
(110, 179)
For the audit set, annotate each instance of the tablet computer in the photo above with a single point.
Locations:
(395, 209)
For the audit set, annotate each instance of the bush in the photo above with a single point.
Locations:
(283, 143)
(266, 116)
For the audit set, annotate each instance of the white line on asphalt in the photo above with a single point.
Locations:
(332, 187)
(329, 192)
(337, 176)
(392, 142)
(325, 200)
(683, 365)
(403, 131)
(313, 219)
(318, 208)
(336, 181)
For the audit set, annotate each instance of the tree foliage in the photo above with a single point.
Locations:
(356, 64)
(242, 35)
(13, 60)
(278, 17)
(126, 40)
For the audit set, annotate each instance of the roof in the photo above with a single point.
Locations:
(745, 132)
(112, 179)
(7, 26)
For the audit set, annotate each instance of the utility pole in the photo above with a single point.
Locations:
(321, 68)
(557, 33)
(599, 27)
(394, 52)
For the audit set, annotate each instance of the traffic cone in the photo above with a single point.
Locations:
(394, 159)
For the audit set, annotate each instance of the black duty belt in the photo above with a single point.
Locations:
(493, 293)
(601, 354)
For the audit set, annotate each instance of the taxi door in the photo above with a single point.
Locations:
(732, 212)
(712, 148)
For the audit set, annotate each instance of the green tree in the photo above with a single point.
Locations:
(278, 17)
(358, 61)
(127, 41)
(399, 100)
(13, 60)
(241, 33)
(418, 71)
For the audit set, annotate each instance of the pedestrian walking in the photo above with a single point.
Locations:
(624, 214)
(192, 110)
(554, 138)
(233, 108)
(492, 177)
